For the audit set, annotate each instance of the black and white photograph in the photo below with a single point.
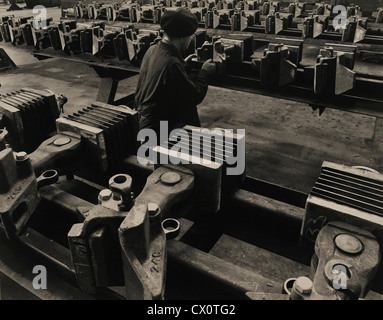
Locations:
(193, 157)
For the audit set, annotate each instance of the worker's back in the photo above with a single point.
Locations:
(165, 92)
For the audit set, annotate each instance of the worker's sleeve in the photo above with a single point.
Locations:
(188, 88)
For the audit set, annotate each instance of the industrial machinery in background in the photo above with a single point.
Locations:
(266, 55)
(74, 195)
(299, 19)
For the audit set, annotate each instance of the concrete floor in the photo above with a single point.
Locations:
(286, 142)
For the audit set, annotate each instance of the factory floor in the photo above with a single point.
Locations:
(286, 142)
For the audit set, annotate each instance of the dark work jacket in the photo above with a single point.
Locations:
(165, 92)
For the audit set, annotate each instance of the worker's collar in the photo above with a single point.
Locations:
(171, 47)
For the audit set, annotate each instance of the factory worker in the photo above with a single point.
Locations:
(165, 91)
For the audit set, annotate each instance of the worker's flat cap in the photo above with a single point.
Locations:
(179, 23)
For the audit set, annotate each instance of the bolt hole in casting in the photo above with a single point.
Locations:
(295, 288)
(341, 268)
(120, 179)
(49, 173)
(336, 270)
(171, 228)
(47, 177)
(288, 285)
(120, 184)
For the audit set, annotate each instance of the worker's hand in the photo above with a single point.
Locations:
(209, 66)
(189, 57)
